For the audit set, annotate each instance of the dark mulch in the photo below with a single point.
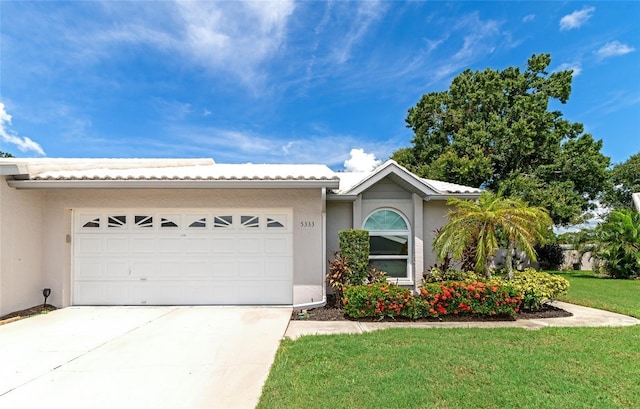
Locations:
(331, 313)
(35, 310)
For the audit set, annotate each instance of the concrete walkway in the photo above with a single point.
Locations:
(140, 357)
(582, 317)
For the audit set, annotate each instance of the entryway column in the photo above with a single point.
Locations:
(418, 239)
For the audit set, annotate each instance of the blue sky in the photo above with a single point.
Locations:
(289, 82)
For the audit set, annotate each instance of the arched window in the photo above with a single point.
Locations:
(389, 237)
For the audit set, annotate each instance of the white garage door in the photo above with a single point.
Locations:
(172, 257)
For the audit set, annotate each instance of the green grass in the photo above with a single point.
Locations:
(590, 290)
(459, 368)
(470, 368)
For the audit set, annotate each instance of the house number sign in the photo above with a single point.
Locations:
(305, 224)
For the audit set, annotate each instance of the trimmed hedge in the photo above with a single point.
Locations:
(355, 247)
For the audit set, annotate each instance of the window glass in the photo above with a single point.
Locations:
(389, 245)
(385, 220)
(250, 221)
(199, 223)
(393, 268)
(222, 221)
(164, 222)
(273, 223)
(117, 221)
(389, 241)
(93, 223)
(143, 221)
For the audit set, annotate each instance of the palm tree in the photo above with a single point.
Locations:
(480, 223)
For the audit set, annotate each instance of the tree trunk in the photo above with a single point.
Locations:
(508, 259)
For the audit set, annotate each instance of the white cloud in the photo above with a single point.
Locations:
(576, 19)
(528, 17)
(235, 37)
(231, 37)
(7, 135)
(361, 161)
(478, 32)
(614, 48)
(368, 13)
(576, 67)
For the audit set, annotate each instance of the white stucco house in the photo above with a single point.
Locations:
(192, 231)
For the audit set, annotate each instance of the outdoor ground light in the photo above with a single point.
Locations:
(46, 293)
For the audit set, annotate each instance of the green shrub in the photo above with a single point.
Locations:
(378, 300)
(473, 297)
(550, 256)
(535, 287)
(436, 275)
(354, 247)
(619, 244)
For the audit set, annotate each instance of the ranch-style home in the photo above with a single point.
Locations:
(192, 231)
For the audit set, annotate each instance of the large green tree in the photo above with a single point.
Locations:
(5, 155)
(624, 180)
(482, 223)
(495, 129)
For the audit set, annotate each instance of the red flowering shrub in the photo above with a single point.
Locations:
(476, 298)
(382, 300)
(378, 300)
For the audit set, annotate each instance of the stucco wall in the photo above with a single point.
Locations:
(435, 212)
(21, 239)
(307, 240)
(339, 217)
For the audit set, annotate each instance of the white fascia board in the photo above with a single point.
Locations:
(173, 184)
(463, 196)
(13, 169)
(341, 198)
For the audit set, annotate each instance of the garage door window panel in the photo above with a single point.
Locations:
(222, 222)
(119, 221)
(143, 221)
(200, 223)
(251, 222)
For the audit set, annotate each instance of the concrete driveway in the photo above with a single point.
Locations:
(140, 357)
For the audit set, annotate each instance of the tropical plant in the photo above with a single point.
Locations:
(337, 275)
(482, 222)
(618, 244)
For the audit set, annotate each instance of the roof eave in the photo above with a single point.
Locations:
(174, 184)
(447, 196)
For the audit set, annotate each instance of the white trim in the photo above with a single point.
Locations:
(173, 184)
(391, 167)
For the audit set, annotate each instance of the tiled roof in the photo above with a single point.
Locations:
(63, 169)
(446, 187)
(210, 172)
(349, 180)
(163, 169)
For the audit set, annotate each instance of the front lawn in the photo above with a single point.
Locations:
(590, 290)
(459, 368)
